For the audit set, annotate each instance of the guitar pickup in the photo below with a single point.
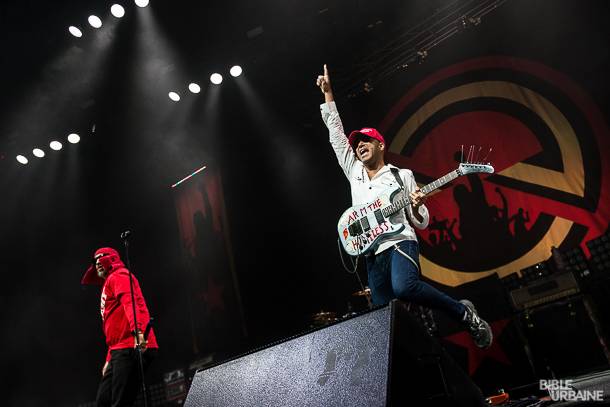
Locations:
(355, 229)
(365, 224)
(379, 217)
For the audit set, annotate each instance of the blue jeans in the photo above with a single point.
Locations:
(395, 273)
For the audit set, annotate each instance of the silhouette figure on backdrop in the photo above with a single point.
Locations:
(500, 217)
(477, 222)
(443, 242)
(501, 214)
(519, 221)
(483, 228)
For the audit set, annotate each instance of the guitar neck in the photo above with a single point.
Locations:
(404, 201)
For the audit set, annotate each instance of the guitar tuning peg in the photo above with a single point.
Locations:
(487, 155)
(477, 157)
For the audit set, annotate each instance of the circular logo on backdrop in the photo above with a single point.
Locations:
(547, 142)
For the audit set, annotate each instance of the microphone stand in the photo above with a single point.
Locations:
(125, 237)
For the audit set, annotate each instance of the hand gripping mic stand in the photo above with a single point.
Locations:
(125, 237)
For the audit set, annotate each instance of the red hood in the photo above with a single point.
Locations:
(111, 260)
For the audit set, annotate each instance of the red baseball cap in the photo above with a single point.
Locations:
(366, 131)
(111, 260)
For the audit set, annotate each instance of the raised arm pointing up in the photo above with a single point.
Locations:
(323, 83)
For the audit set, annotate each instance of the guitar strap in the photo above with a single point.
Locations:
(402, 185)
(395, 173)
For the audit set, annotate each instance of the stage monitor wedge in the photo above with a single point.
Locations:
(380, 358)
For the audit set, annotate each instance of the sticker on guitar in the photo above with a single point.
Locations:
(361, 228)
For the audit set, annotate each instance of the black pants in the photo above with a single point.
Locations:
(121, 384)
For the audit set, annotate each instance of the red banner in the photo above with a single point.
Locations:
(214, 293)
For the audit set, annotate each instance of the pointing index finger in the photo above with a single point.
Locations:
(325, 70)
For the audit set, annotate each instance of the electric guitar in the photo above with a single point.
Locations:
(362, 227)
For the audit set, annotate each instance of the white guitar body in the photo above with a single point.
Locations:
(362, 227)
(371, 225)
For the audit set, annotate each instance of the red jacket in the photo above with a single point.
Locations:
(117, 312)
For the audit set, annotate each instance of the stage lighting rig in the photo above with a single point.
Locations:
(73, 138)
(194, 88)
(38, 153)
(414, 44)
(94, 21)
(235, 71)
(216, 78)
(141, 3)
(421, 56)
(117, 10)
(75, 31)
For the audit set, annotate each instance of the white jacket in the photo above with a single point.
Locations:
(365, 190)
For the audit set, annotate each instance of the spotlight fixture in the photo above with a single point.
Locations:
(174, 96)
(141, 3)
(216, 78)
(55, 145)
(38, 152)
(75, 32)
(22, 159)
(421, 56)
(73, 138)
(235, 71)
(94, 21)
(193, 87)
(117, 10)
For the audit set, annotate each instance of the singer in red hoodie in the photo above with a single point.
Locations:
(121, 379)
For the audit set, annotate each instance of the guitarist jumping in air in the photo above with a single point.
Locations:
(393, 267)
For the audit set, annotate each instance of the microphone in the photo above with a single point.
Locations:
(125, 235)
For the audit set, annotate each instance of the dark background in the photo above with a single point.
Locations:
(283, 189)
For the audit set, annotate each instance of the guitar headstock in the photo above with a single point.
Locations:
(468, 168)
(472, 165)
